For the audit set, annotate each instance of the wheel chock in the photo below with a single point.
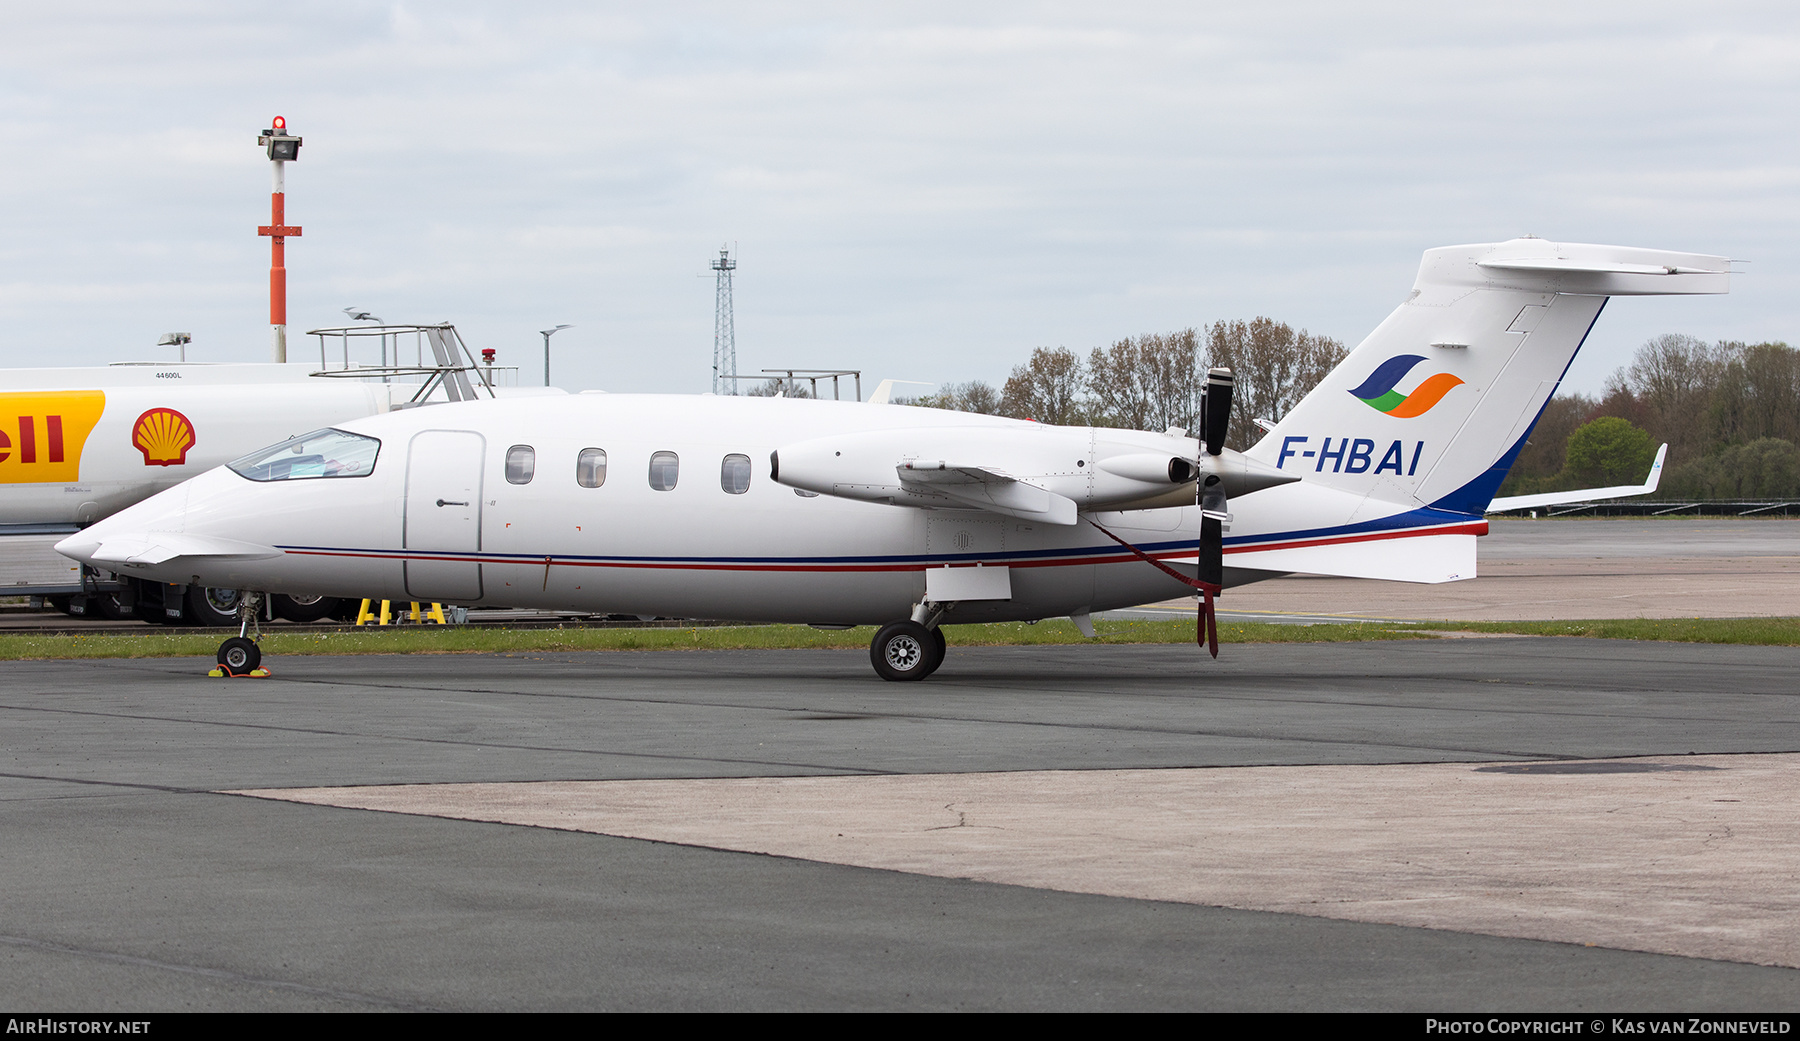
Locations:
(221, 672)
(365, 615)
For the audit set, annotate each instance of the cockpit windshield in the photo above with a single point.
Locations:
(322, 453)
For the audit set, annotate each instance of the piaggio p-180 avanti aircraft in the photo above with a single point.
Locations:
(841, 513)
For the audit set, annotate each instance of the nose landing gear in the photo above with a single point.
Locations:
(241, 657)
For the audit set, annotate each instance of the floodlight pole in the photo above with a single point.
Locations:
(278, 230)
(547, 333)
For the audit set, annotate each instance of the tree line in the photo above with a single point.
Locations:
(1155, 381)
(1729, 412)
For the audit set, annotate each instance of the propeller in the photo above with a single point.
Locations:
(1215, 418)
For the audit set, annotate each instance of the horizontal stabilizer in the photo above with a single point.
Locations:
(1532, 502)
(1584, 267)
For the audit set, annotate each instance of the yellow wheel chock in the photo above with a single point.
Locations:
(434, 613)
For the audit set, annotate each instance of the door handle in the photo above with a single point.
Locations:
(443, 503)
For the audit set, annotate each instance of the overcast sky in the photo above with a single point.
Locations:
(919, 191)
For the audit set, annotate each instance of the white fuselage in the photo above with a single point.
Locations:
(402, 532)
(436, 518)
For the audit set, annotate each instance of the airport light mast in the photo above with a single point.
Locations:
(546, 334)
(283, 148)
(724, 379)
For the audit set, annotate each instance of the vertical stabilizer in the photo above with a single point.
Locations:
(1432, 408)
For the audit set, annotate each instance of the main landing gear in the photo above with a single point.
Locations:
(910, 650)
(240, 656)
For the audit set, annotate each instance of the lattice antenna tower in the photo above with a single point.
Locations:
(724, 380)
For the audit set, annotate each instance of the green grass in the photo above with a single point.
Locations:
(1773, 632)
(1783, 632)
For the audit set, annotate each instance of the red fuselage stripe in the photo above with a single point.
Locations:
(1472, 528)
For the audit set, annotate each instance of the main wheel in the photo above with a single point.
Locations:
(937, 636)
(304, 608)
(905, 651)
(239, 655)
(213, 606)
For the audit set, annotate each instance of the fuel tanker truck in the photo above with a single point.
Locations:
(78, 444)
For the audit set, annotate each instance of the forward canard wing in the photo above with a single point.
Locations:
(138, 550)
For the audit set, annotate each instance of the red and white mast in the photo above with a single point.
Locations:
(283, 148)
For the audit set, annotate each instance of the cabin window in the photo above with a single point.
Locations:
(734, 475)
(590, 467)
(521, 464)
(322, 453)
(664, 469)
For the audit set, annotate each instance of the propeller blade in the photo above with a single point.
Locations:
(1216, 417)
(1208, 623)
(1211, 561)
(1212, 530)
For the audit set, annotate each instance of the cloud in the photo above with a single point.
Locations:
(925, 191)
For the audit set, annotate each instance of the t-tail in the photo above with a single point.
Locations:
(1416, 429)
(1433, 407)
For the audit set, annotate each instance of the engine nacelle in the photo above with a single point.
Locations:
(1033, 471)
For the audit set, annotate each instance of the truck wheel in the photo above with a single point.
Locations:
(304, 608)
(214, 607)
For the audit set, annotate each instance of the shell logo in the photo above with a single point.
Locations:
(42, 434)
(164, 436)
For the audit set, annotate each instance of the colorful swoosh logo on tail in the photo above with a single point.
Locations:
(1378, 391)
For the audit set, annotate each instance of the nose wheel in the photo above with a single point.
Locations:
(906, 651)
(240, 656)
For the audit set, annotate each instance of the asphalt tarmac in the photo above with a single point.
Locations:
(133, 881)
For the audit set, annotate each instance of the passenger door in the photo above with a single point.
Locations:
(443, 516)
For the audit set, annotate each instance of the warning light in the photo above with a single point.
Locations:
(283, 148)
(487, 355)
